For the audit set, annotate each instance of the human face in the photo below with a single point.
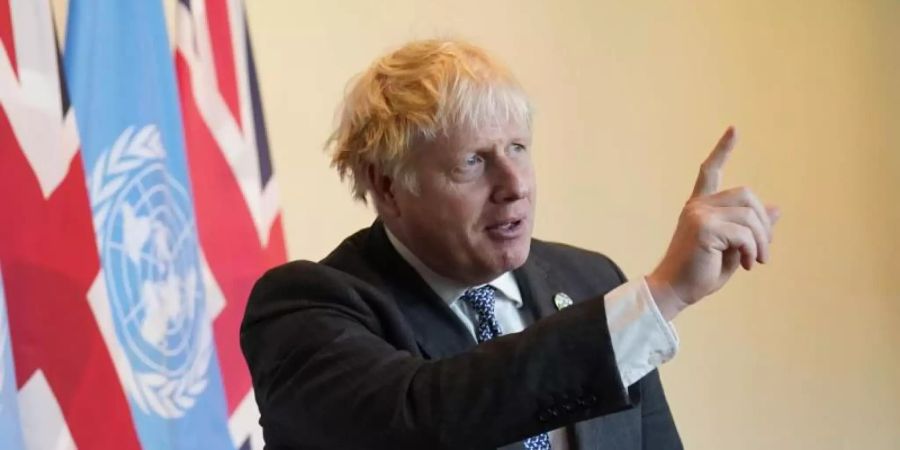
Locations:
(472, 217)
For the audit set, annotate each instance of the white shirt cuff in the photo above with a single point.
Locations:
(641, 338)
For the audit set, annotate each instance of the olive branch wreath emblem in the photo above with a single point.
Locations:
(164, 395)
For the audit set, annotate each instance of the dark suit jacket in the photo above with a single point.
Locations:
(357, 352)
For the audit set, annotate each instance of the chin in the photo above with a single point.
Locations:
(514, 256)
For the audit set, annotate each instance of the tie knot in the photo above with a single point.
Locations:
(482, 301)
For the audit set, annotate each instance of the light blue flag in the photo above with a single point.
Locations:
(122, 85)
(10, 427)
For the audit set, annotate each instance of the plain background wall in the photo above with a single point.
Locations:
(630, 97)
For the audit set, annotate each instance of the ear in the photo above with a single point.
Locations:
(382, 190)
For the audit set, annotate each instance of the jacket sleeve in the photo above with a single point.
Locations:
(326, 374)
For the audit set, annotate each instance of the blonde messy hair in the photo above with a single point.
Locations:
(416, 92)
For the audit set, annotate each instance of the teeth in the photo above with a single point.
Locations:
(506, 226)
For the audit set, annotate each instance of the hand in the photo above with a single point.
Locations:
(716, 232)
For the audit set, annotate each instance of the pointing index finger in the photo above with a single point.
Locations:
(711, 170)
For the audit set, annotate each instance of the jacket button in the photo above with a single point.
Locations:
(542, 417)
(553, 412)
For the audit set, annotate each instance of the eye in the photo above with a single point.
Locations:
(469, 168)
(473, 160)
(518, 148)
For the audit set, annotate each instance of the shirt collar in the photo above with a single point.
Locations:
(448, 290)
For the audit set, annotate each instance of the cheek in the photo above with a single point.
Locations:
(458, 224)
(460, 209)
(452, 212)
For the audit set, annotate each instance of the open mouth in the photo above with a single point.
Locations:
(507, 229)
(506, 225)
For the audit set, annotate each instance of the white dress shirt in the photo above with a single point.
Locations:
(642, 339)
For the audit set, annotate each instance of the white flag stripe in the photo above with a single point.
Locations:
(269, 206)
(242, 71)
(237, 147)
(34, 95)
(215, 299)
(244, 423)
(43, 425)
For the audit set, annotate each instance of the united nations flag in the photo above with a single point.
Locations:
(140, 194)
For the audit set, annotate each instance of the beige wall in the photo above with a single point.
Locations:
(802, 353)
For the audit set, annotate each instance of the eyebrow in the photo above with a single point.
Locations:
(481, 146)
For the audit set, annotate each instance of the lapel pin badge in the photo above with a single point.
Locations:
(562, 300)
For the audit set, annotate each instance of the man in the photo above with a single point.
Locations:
(444, 324)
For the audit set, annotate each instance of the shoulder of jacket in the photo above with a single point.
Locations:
(568, 259)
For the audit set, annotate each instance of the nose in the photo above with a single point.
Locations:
(511, 180)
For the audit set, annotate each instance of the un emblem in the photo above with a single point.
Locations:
(148, 246)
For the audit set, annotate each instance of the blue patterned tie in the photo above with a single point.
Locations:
(482, 301)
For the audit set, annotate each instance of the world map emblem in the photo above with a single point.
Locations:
(148, 244)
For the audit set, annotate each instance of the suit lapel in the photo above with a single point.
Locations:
(621, 431)
(440, 334)
(438, 331)
(537, 286)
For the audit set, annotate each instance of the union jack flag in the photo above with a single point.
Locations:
(60, 353)
(235, 196)
(68, 391)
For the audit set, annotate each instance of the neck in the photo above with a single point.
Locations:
(402, 243)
